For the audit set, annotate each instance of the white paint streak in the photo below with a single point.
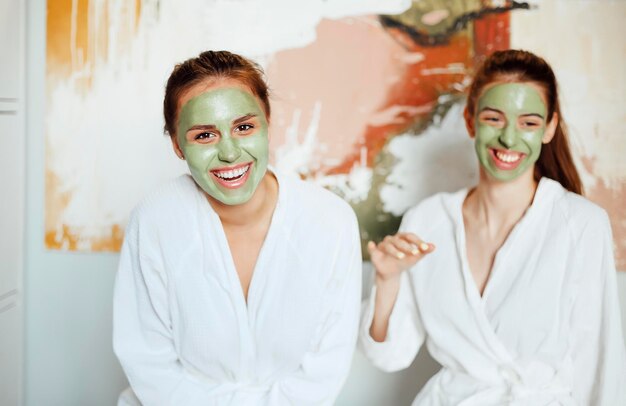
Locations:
(412, 58)
(353, 187)
(451, 69)
(297, 155)
(440, 159)
(392, 115)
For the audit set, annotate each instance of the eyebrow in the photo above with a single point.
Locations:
(521, 115)
(207, 127)
(490, 109)
(244, 118)
(202, 127)
(532, 115)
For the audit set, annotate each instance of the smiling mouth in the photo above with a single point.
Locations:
(506, 159)
(232, 177)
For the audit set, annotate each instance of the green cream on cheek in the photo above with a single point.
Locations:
(513, 100)
(219, 108)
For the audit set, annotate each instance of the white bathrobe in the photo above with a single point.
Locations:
(183, 331)
(546, 330)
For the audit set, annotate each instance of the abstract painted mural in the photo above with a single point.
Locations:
(367, 100)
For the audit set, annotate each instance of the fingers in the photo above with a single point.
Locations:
(391, 247)
(417, 244)
(375, 253)
(371, 247)
(396, 253)
(402, 245)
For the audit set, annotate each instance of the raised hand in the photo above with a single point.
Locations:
(397, 253)
(390, 257)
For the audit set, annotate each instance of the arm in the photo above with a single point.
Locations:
(142, 329)
(391, 330)
(325, 366)
(598, 350)
(403, 330)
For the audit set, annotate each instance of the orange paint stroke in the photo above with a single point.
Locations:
(71, 240)
(422, 83)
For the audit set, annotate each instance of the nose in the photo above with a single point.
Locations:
(228, 151)
(508, 137)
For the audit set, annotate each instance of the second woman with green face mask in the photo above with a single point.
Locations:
(510, 125)
(237, 285)
(514, 289)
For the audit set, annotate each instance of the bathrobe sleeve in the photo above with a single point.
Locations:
(142, 337)
(325, 366)
(405, 332)
(598, 351)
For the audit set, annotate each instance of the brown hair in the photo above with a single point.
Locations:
(555, 161)
(212, 65)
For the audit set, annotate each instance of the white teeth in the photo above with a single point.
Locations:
(508, 158)
(232, 174)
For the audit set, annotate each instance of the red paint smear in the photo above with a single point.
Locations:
(491, 33)
(335, 71)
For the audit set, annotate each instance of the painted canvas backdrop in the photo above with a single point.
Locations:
(367, 99)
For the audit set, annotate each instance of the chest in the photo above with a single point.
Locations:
(216, 329)
(245, 247)
(531, 285)
(481, 249)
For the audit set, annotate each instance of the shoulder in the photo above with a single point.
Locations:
(315, 219)
(166, 200)
(434, 210)
(316, 203)
(577, 211)
(583, 219)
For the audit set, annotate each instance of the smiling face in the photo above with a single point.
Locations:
(510, 126)
(222, 133)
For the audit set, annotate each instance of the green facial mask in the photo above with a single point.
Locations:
(229, 131)
(510, 123)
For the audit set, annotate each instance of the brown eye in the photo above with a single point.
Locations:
(244, 128)
(491, 119)
(204, 136)
(530, 124)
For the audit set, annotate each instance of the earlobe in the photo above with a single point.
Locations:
(176, 147)
(550, 129)
(469, 122)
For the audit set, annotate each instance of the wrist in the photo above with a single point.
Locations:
(387, 281)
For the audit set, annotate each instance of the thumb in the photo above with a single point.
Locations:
(371, 247)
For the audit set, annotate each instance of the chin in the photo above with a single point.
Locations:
(238, 200)
(506, 177)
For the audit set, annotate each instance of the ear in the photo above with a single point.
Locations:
(176, 147)
(469, 123)
(550, 129)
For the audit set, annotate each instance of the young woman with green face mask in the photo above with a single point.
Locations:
(237, 284)
(518, 302)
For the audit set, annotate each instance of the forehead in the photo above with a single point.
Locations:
(513, 96)
(218, 96)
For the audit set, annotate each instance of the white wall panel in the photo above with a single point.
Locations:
(12, 200)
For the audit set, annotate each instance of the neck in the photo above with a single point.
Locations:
(254, 210)
(499, 204)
